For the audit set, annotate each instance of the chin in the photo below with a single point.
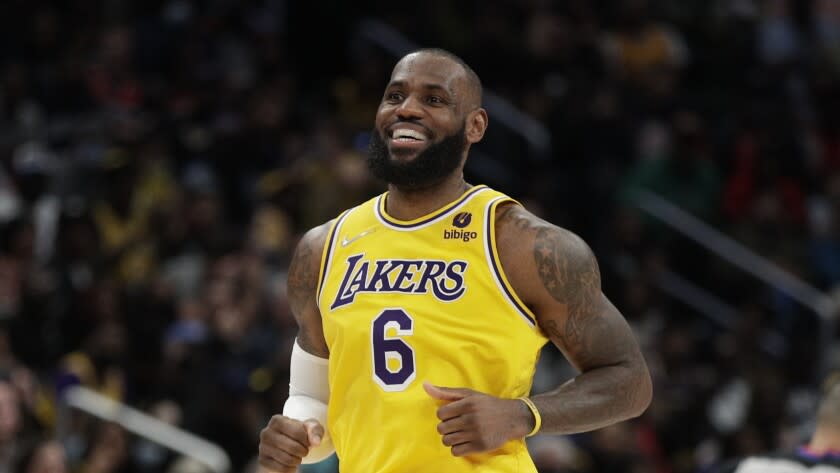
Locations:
(404, 155)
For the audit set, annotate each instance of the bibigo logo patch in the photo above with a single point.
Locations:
(461, 220)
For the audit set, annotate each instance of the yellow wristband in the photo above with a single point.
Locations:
(536, 414)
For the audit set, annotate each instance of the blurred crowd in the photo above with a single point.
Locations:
(159, 160)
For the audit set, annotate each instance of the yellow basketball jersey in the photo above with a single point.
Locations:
(423, 300)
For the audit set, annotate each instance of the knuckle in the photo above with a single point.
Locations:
(299, 450)
(470, 420)
(283, 458)
(288, 459)
(267, 464)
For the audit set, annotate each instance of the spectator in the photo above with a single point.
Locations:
(820, 453)
(47, 456)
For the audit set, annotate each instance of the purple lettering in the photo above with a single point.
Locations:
(432, 270)
(342, 298)
(406, 275)
(381, 279)
(455, 274)
(447, 279)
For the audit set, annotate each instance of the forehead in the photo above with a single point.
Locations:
(428, 69)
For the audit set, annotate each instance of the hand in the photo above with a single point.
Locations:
(285, 441)
(474, 422)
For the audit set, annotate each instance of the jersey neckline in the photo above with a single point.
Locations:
(427, 219)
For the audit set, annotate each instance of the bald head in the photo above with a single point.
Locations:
(429, 116)
(472, 89)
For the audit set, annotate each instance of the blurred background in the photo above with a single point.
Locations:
(160, 159)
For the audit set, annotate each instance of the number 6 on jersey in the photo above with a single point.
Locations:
(392, 348)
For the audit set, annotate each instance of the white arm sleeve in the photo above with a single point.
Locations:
(309, 394)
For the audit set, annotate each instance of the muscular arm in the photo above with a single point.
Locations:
(298, 435)
(302, 286)
(557, 276)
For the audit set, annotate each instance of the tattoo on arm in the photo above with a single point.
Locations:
(516, 216)
(563, 286)
(614, 384)
(503, 212)
(302, 284)
(573, 279)
(302, 278)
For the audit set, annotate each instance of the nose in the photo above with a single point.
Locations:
(409, 108)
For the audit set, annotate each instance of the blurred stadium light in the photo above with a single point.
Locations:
(702, 301)
(146, 426)
(747, 260)
(738, 254)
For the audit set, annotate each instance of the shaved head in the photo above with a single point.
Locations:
(474, 90)
(429, 116)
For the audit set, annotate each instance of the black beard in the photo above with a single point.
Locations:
(431, 166)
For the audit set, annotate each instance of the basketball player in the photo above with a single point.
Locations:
(422, 312)
(822, 454)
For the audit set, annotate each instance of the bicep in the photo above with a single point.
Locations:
(571, 309)
(311, 334)
(557, 275)
(597, 337)
(302, 286)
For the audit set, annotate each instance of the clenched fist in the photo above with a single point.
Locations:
(285, 441)
(474, 422)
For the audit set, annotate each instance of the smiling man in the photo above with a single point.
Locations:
(422, 312)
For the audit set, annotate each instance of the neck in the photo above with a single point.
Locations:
(406, 204)
(825, 441)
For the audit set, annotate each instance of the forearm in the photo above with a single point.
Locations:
(595, 399)
(309, 396)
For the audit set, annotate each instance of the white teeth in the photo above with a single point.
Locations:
(408, 133)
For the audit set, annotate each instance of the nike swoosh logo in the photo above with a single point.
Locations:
(346, 241)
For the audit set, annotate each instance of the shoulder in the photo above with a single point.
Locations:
(316, 237)
(521, 233)
(306, 261)
(514, 222)
(543, 260)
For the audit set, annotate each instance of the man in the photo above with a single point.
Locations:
(821, 455)
(423, 311)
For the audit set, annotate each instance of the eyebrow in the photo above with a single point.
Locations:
(426, 86)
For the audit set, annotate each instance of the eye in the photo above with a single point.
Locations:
(393, 97)
(434, 99)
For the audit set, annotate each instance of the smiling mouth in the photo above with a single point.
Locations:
(407, 135)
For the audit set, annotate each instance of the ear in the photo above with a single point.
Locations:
(476, 125)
